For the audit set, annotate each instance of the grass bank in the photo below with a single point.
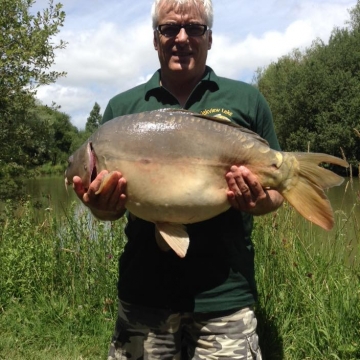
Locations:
(309, 306)
(58, 287)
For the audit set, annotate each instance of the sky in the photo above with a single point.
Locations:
(110, 46)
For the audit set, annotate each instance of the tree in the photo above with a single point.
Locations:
(58, 135)
(315, 94)
(93, 121)
(26, 54)
(354, 21)
(26, 51)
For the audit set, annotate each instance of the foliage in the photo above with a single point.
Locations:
(50, 136)
(315, 94)
(61, 133)
(354, 21)
(55, 258)
(57, 283)
(27, 51)
(94, 120)
(309, 301)
(26, 47)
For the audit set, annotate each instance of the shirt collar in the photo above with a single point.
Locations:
(153, 85)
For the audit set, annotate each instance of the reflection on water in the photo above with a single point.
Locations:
(47, 195)
(345, 201)
(50, 194)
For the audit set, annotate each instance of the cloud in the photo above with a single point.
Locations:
(240, 59)
(107, 54)
(100, 63)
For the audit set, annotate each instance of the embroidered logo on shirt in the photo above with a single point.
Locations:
(216, 112)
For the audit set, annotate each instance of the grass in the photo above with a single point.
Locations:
(309, 305)
(58, 286)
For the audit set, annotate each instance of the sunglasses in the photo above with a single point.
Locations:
(171, 30)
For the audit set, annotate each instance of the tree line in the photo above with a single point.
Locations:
(313, 94)
(32, 135)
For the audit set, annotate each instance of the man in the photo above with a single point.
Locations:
(201, 306)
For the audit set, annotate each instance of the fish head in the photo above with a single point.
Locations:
(82, 163)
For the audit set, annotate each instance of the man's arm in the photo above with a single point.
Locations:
(246, 193)
(109, 204)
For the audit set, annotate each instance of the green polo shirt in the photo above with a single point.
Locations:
(217, 273)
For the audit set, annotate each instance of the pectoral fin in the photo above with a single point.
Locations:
(175, 236)
(162, 244)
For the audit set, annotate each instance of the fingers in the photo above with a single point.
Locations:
(78, 187)
(91, 196)
(106, 193)
(244, 188)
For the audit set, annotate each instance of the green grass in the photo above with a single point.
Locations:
(309, 286)
(58, 286)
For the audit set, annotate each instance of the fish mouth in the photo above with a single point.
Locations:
(92, 163)
(68, 180)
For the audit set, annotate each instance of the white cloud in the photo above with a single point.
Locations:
(107, 54)
(240, 59)
(99, 63)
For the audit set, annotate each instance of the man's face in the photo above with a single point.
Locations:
(182, 53)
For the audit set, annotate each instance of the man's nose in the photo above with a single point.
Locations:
(182, 35)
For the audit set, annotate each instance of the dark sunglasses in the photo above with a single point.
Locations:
(171, 30)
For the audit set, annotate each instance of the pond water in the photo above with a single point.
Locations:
(345, 201)
(50, 194)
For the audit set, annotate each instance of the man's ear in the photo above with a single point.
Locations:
(155, 40)
(210, 40)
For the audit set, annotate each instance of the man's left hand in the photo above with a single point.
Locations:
(247, 194)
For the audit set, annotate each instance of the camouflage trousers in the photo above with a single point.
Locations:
(146, 333)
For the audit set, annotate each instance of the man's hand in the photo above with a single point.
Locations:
(246, 193)
(109, 203)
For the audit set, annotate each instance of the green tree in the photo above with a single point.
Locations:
(60, 134)
(276, 81)
(354, 21)
(26, 54)
(93, 121)
(315, 94)
(64, 133)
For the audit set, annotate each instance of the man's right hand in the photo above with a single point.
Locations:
(109, 204)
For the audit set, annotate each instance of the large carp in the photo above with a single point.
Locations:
(175, 163)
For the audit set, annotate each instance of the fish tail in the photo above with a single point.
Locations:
(306, 194)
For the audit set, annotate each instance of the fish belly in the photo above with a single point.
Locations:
(177, 192)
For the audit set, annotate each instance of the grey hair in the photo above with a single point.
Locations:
(206, 4)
